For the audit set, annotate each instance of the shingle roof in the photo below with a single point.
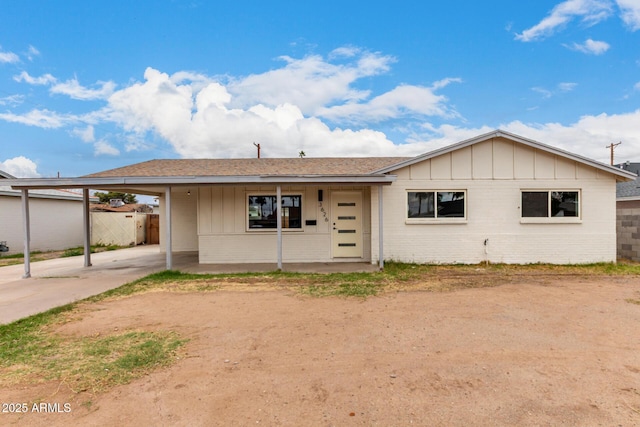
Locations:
(628, 189)
(252, 167)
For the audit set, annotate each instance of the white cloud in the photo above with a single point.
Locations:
(9, 58)
(592, 47)
(12, 100)
(560, 88)
(213, 129)
(282, 109)
(32, 52)
(591, 12)
(400, 101)
(637, 86)
(445, 82)
(86, 134)
(567, 86)
(73, 89)
(542, 91)
(158, 105)
(104, 148)
(310, 83)
(344, 52)
(587, 137)
(40, 118)
(42, 80)
(202, 116)
(137, 143)
(630, 13)
(20, 167)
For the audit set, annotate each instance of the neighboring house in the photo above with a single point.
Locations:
(55, 215)
(628, 214)
(497, 197)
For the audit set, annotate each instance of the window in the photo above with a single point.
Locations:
(548, 204)
(436, 204)
(262, 212)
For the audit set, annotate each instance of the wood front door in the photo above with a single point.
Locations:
(346, 218)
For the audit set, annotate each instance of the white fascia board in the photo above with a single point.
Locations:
(35, 183)
(625, 175)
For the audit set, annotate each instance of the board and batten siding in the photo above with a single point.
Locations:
(223, 236)
(493, 173)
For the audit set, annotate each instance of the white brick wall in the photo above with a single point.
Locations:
(493, 211)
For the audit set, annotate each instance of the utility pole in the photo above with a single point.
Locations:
(612, 146)
(257, 145)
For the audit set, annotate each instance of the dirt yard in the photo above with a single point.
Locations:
(530, 352)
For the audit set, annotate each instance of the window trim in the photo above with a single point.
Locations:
(273, 194)
(436, 219)
(551, 219)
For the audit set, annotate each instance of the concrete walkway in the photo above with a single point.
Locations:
(57, 282)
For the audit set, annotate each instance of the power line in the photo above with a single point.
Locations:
(612, 147)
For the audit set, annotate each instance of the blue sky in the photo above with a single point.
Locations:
(89, 86)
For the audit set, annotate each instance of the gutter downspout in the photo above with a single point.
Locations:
(27, 233)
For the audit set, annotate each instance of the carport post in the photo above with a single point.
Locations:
(380, 229)
(87, 227)
(167, 209)
(27, 233)
(279, 223)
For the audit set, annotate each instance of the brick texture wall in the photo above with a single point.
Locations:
(628, 233)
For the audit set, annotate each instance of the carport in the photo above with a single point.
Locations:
(162, 187)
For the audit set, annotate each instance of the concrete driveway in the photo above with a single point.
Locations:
(60, 281)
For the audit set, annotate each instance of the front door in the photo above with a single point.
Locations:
(346, 217)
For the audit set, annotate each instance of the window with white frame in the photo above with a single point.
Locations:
(436, 204)
(550, 204)
(262, 211)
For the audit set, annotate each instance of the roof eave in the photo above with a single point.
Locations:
(34, 195)
(42, 183)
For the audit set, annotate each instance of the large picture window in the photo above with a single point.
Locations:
(436, 204)
(263, 212)
(548, 204)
